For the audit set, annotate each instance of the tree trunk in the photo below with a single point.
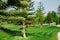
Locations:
(41, 23)
(49, 23)
(23, 31)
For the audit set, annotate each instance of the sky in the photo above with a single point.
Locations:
(49, 5)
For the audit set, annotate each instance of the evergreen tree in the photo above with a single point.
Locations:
(54, 16)
(40, 14)
(16, 15)
(59, 13)
(48, 18)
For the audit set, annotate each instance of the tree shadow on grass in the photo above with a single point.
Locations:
(16, 33)
(32, 34)
(29, 34)
(11, 32)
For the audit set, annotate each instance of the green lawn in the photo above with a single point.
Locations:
(33, 33)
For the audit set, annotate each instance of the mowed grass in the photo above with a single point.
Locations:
(33, 33)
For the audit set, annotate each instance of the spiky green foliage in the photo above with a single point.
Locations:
(2, 5)
(15, 13)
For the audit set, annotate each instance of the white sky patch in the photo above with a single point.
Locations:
(10, 8)
(36, 4)
(38, 0)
